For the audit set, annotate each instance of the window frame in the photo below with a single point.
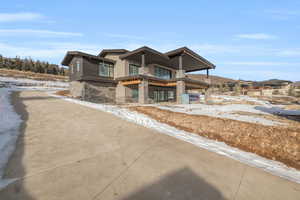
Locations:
(162, 73)
(135, 71)
(106, 69)
(78, 66)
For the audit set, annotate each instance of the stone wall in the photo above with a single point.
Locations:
(76, 89)
(99, 92)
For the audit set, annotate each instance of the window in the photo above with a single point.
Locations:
(133, 69)
(163, 95)
(106, 69)
(171, 94)
(135, 93)
(78, 65)
(162, 73)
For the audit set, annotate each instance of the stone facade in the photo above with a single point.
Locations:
(96, 92)
(76, 89)
(99, 92)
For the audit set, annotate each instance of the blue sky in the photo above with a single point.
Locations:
(254, 40)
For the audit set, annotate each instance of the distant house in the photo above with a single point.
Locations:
(143, 75)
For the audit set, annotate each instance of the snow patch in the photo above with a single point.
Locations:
(251, 159)
(9, 130)
(10, 81)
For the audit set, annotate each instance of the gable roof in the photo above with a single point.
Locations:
(185, 50)
(70, 54)
(192, 61)
(107, 51)
(142, 50)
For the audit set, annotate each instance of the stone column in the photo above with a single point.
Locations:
(120, 93)
(143, 92)
(180, 85)
(180, 89)
(180, 73)
(143, 69)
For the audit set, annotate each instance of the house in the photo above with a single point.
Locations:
(143, 75)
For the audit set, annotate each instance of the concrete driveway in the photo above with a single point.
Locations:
(67, 151)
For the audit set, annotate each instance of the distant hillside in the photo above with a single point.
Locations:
(215, 80)
(31, 75)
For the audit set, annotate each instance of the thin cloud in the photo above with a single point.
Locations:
(39, 33)
(262, 63)
(123, 36)
(257, 36)
(21, 16)
(283, 14)
(290, 53)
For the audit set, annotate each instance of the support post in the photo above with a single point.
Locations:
(180, 73)
(143, 64)
(180, 90)
(207, 73)
(143, 91)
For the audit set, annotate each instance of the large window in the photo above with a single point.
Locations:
(106, 69)
(135, 93)
(133, 69)
(162, 73)
(78, 65)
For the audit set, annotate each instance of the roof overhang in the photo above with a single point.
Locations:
(70, 54)
(151, 56)
(191, 61)
(104, 52)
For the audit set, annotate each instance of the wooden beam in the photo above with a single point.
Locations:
(163, 84)
(132, 82)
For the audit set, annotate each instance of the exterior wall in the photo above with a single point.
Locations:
(99, 92)
(76, 89)
(76, 75)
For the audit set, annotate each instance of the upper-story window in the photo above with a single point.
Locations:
(162, 73)
(106, 69)
(78, 65)
(133, 69)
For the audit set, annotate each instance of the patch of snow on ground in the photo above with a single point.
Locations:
(222, 98)
(252, 159)
(29, 82)
(222, 111)
(9, 131)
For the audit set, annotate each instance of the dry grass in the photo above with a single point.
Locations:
(63, 93)
(277, 143)
(32, 75)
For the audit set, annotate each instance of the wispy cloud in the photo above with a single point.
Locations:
(283, 14)
(257, 36)
(38, 33)
(123, 36)
(251, 63)
(46, 50)
(289, 53)
(21, 16)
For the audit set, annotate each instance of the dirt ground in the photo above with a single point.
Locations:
(276, 143)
